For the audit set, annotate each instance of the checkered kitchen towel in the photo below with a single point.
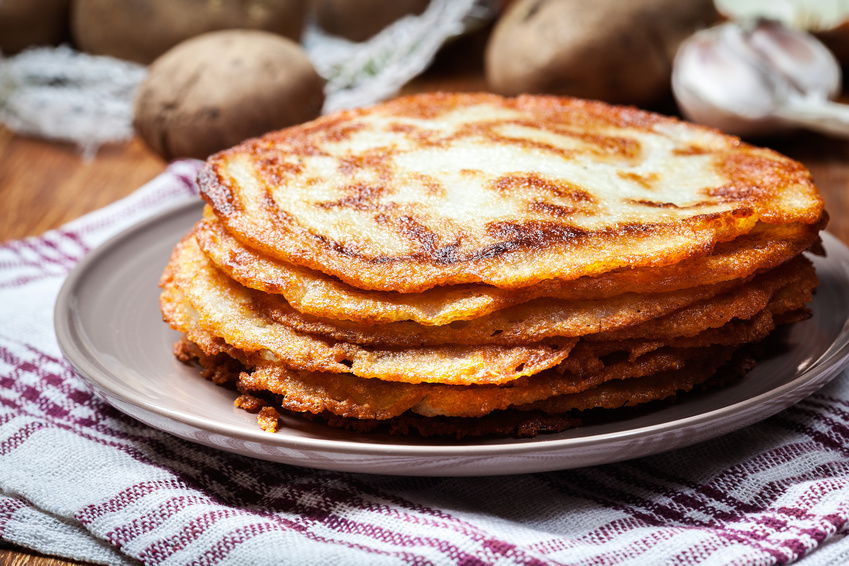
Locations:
(80, 480)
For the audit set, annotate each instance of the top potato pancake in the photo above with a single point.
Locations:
(441, 189)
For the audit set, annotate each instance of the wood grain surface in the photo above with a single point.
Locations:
(45, 184)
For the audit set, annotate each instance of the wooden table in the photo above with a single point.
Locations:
(43, 185)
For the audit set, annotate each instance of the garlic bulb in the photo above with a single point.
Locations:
(758, 77)
(809, 15)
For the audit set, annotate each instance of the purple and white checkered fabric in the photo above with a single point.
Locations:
(80, 480)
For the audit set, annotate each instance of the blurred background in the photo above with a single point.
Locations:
(98, 71)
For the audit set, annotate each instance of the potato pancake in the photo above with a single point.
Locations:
(442, 189)
(467, 264)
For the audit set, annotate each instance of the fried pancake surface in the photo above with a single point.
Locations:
(589, 365)
(314, 293)
(224, 308)
(674, 313)
(539, 334)
(440, 189)
(349, 396)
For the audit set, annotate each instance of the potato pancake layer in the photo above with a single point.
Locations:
(442, 189)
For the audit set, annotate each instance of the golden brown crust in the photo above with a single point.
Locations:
(197, 291)
(657, 316)
(571, 188)
(589, 365)
(314, 293)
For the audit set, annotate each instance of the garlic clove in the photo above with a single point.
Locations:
(716, 84)
(738, 77)
(800, 58)
(808, 15)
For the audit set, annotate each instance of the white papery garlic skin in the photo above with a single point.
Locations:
(741, 77)
(808, 15)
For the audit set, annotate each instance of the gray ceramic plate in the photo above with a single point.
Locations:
(109, 327)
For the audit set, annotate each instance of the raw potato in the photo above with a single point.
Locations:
(358, 20)
(610, 50)
(215, 90)
(142, 30)
(30, 23)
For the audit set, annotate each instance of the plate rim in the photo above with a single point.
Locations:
(826, 367)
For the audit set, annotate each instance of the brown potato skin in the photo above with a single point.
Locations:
(215, 90)
(358, 20)
(608, 50)
(30, 23)
(142, 30)
(837, 41)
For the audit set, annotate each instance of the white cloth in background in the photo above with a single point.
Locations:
(62, 94)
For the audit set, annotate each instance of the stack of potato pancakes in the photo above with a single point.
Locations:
(467, 264)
